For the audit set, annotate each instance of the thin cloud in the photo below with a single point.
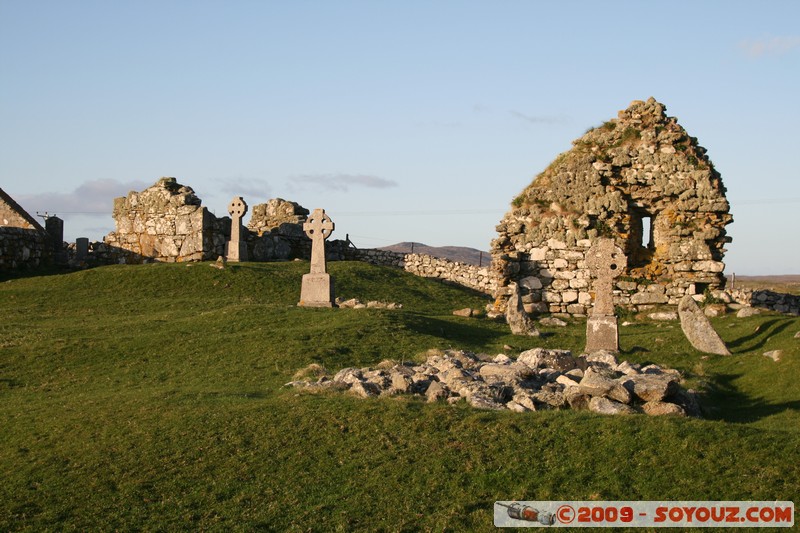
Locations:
(538, 119)
(342, 182)
(250, 188)
(774, 46)
(91, 197)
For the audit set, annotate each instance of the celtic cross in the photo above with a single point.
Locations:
(318, 227)
(605, 261)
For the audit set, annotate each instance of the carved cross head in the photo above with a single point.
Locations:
(606, 260)
(237, 208)
(319, 226)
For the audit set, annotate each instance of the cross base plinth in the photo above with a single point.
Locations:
(317, 291)
(602, 333)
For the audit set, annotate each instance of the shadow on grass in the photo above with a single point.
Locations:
(460, 334)
(636, 349)
(10, 383)
(724, 402)
(49, 270)
(759, 336)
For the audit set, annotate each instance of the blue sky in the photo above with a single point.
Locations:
(404, 120)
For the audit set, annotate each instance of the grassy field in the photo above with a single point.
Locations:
(151, 398)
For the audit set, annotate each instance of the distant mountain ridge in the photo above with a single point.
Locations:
(462, 254)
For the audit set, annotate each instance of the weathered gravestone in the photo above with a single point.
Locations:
(605, 261)
(55, 229)
(518, 320)
(317, 289)
(236, 249)
(81, 249)
(698, 329)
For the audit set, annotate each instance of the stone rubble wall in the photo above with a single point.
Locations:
(266, 247)
(553, 278)
(766, 299)
(641, 165)
(23, 248)
(427, 266)
(166, 223)
(280, 216)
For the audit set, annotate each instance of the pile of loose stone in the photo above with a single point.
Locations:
(355, 303)
(537, 379)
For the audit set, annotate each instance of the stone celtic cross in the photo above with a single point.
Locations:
(236, 248)
(318, 227)
(237, 208)
(605, 261)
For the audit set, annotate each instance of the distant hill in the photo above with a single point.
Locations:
(462, 254)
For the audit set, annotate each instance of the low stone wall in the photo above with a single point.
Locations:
(377, 257)
(23, 248)
(478, 278)
(426, 266)
(766, 299)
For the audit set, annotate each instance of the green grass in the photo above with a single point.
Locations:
(151, 397)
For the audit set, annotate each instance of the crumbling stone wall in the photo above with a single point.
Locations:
(640, 167)
(278, 216)
(276, 231)
(24, 243)
(167, 223)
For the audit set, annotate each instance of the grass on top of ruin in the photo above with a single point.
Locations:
(151, 397)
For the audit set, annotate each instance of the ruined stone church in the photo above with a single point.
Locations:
(640, 179)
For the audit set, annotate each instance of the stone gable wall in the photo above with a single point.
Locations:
(641, 166)
(12, 215)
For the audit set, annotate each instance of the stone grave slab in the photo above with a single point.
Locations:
(698, 330)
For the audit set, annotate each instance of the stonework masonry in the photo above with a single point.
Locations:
(24, 243)
(167, 223)
(426, 266)
(766, 299)
(639, 179)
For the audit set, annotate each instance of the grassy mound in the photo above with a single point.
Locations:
(151, 397)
